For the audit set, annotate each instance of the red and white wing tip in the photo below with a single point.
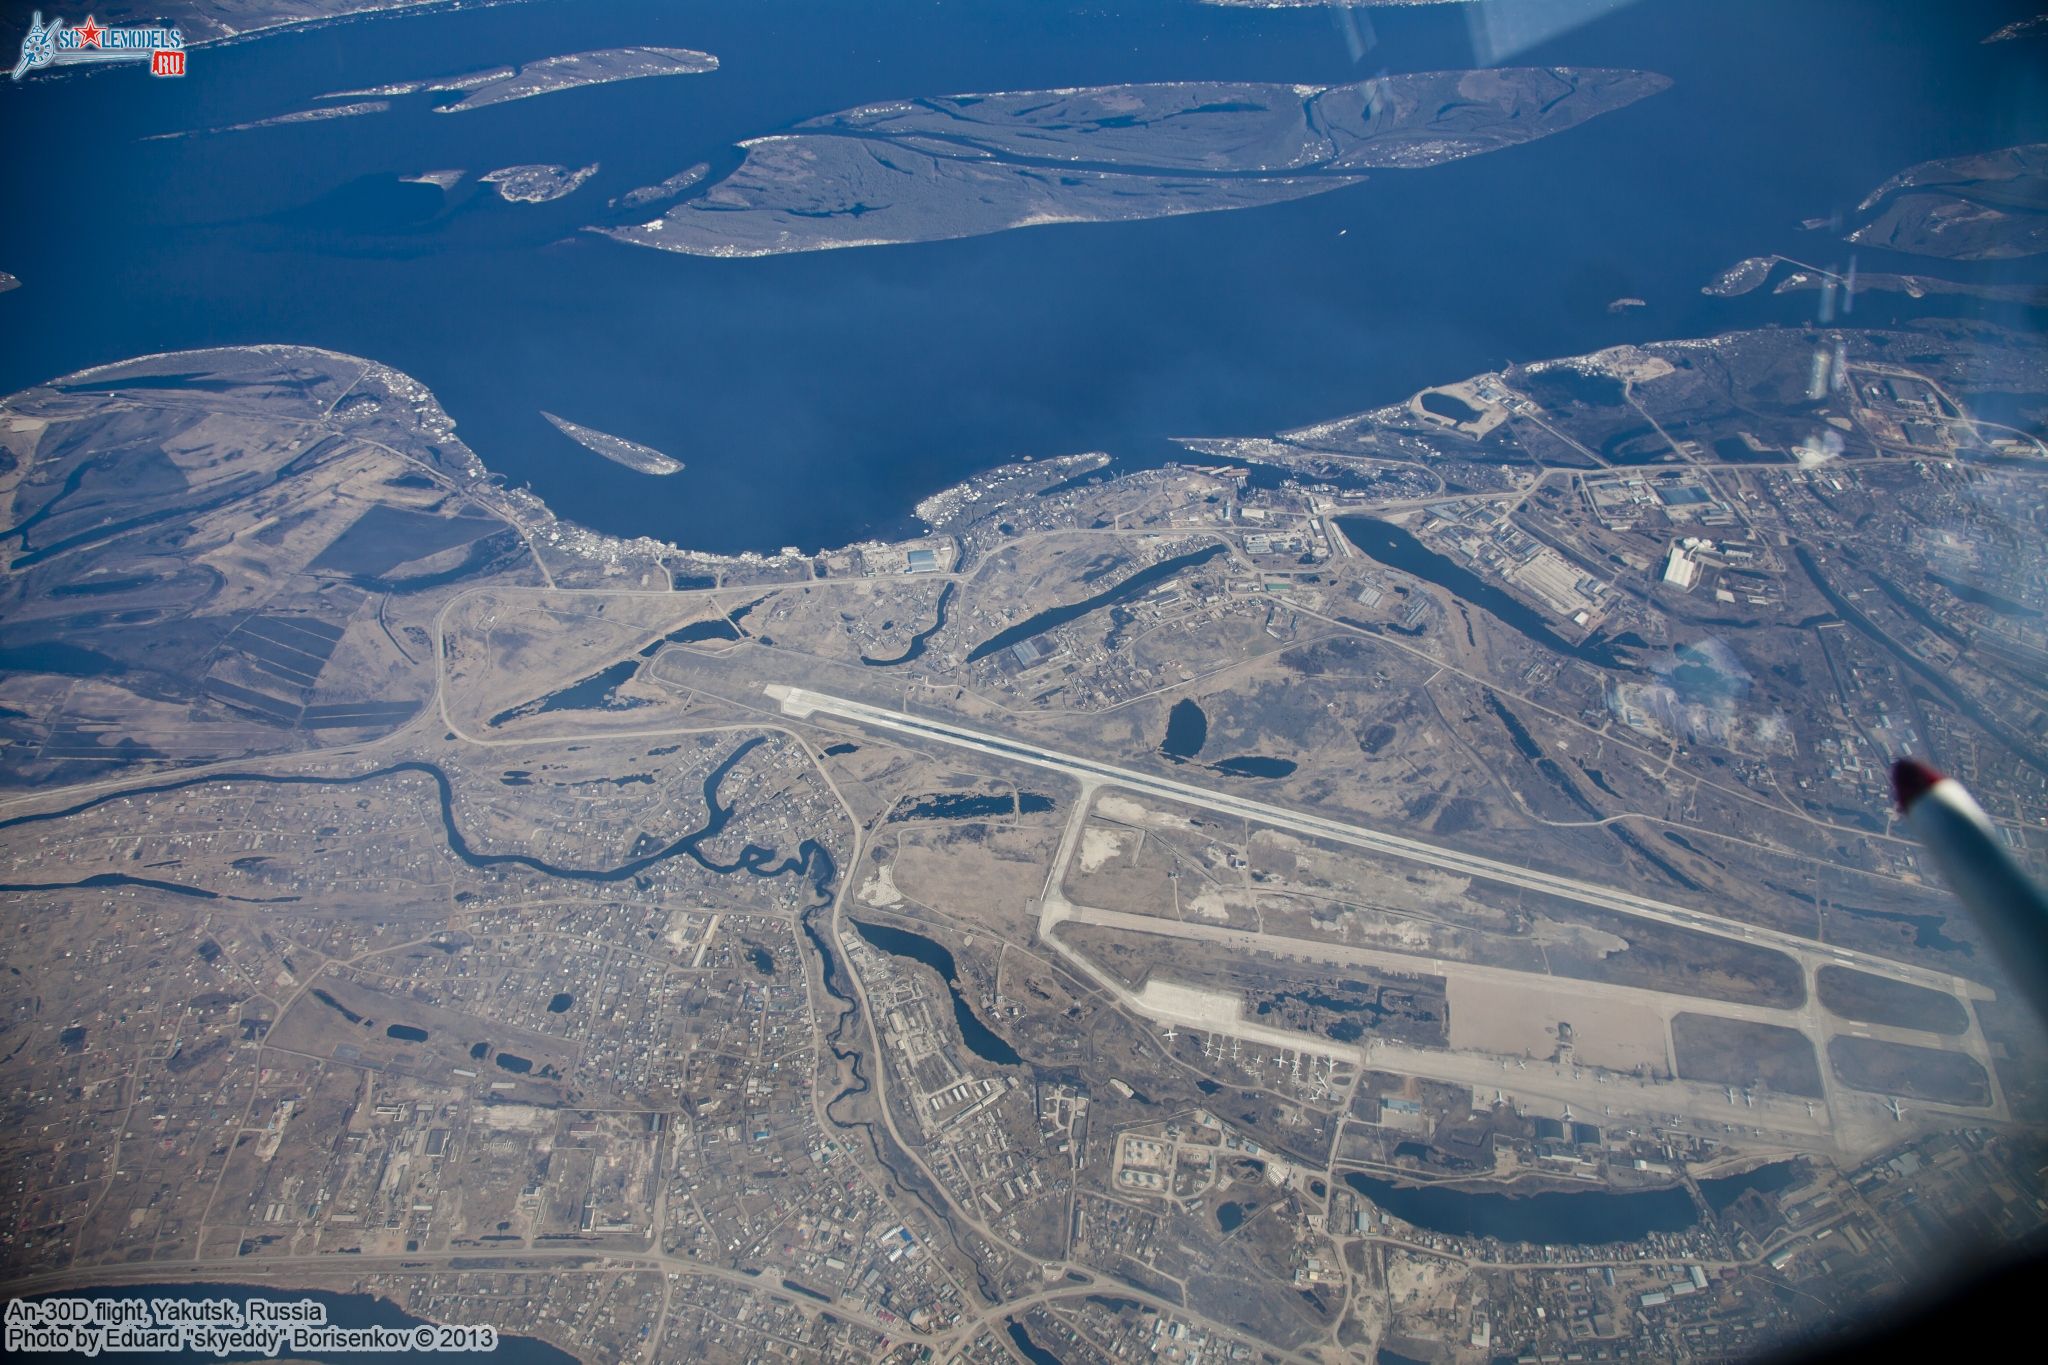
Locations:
(1911, 780)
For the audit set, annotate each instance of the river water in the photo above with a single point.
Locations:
(1542, 1219)
(811, 860)
(816, 397)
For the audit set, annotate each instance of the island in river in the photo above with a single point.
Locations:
(1752, 273)
(965, 165)
(353, 109)
(667, 189)
(617, 449)
(602, 67)
(213, 21)
(537, 184)
(1984, 207)
(494, 85)
(503, 84)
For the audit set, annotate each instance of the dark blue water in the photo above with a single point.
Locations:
(1187, 730)
(99, 879)
(810, 861)
(1255, 765)
(1053, 617)
(1443, 405)
(915, 649)
(815, 397)
(971, 806)
(1544, 1219)
(57, 657)
(1030, 1349)
(696, 633)
(981, 1040)
(1721, 1192)
(589, 694)
(343, 1310)
(1391, 545)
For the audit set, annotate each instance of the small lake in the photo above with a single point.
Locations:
(695, 633)
(971, 806)
(1187, 730)
(1927, 929)
(1445, 406)
(1394, 547)
(980, 1039)
(1255, 765)
(54, 656)
(1053, 617)
(1548, 1219)
(1721, 1192)
(1030, 1349)
(588, 694)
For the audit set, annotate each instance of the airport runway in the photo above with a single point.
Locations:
(798, 702)
(1661, 1003)
(1842, 1120)
(1831, 1122)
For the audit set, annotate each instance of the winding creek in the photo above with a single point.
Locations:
(915, 649)
(810, 859)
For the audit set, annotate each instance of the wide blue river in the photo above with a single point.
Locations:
(816, 397)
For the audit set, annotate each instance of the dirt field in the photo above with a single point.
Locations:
(1874, 1000)
(1732, 1052)
(1921, 1073)
(1523, 1020)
